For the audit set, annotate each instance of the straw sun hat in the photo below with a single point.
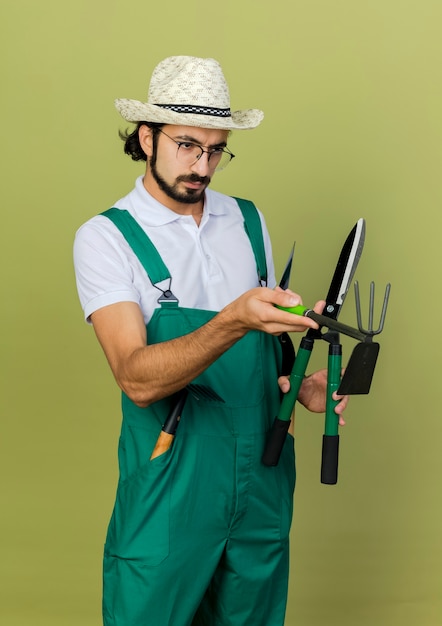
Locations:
(189, 91)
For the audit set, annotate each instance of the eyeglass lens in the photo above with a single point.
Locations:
(189, 153)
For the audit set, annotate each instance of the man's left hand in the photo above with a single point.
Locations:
(313, 393)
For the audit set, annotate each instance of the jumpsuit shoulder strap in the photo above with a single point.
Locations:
(143, 247)
(253, 228)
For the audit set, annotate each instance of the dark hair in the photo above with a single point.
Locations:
(132, 143)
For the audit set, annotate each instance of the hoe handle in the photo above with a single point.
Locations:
(330, 440)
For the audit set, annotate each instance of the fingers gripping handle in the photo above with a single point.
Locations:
(278, 433)
(330, 440)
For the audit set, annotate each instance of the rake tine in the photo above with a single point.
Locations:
(371, 308)
(371, 332)
(358, 306)
(384, 308)
(203, 392)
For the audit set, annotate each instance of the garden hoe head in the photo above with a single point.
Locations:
(360, 369)
(361, 365)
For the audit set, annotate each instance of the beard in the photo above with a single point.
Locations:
(188, 196)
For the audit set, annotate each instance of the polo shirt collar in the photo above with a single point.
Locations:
(153, 213)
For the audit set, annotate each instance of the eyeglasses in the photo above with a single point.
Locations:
(189, 153)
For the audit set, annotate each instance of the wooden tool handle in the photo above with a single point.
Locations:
(162, 445)
(167, 433)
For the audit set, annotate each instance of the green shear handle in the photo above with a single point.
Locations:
(281, 424)
(330, 442)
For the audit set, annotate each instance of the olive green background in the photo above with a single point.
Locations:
(352, 93)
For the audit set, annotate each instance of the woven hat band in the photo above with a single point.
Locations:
(198, 110)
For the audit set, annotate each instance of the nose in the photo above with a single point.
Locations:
(202, 165)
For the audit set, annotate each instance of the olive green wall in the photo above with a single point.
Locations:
(353, 97)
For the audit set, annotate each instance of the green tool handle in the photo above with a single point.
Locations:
(330, 440)
(323, 320)
(280, 426)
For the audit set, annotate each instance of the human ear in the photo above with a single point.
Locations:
(145, 139)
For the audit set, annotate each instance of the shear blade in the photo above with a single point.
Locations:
(360, 369)
(285, 278)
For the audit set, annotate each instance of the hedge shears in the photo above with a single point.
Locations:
(342, 277)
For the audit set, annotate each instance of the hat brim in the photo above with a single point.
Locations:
(136, 111)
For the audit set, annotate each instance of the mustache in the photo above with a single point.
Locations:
(194, 178)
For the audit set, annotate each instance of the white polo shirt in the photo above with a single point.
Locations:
(211, 265)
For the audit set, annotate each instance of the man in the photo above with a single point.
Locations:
(179, 285)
